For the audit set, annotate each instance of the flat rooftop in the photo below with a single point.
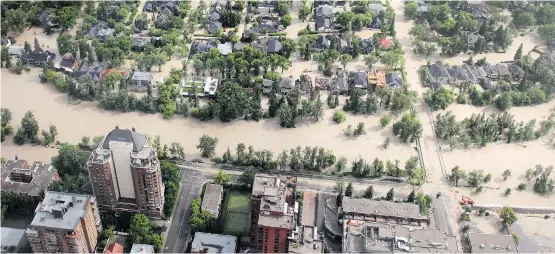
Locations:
(20, 177)
(361, 236)
(213, 243)
(491, 243)
(212, 198)
(60, 211)
(286, 221)
(142, 248)
(381, 208)
(11, 237)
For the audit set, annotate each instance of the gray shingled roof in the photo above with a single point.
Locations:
(138, 140)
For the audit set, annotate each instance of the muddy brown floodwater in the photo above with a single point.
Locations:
(25, 92)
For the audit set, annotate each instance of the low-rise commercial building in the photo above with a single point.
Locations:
(491, 243)
(213, 243)
(382, 211)
(13, 240)
(212, 199)
(19, 176)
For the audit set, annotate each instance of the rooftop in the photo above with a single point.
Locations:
(212, 199)
(129, 136)
(142, 248)
(11, 238)
(61, 211)
(490, 243)
(213, 243)
(381, 208)
(20, 177)
(143, 76)
(286, 221)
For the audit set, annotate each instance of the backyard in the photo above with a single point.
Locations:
(237, 214)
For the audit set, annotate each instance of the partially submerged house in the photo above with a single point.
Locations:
(438, 75)
(67, 64)
(100, 31)
(268, 26)
(503, 71)
(164, 19)
(267, 85)
(324, 18)
(274, 45)
(516, 72)
(201, 46)
(95, 72)
(338, 84)
(376, 78)
(38, 57)
(394, 80)
(491, 72)
(213, 27)
(286, 84)
(358, 79)
(45, 20)
(140, 81)
(322, 43)
(366, 46)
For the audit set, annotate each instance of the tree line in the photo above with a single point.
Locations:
(480, 129)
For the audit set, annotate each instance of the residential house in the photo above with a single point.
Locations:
(473, 39)
(265, 7)
(268, 26)
(376, 78)
(458, 76)
(213, 16)
(338, 84)
(100, 31)
(324, 18)
(344, 46)
(164, 19)
(394, 80)
(274, 45)
(85, 69)
(45, 20)
(491, 72)
(267, 85)
(322, 43)
(422, 9)
(149, 6)
(385, 43)
(319, 3)
(438, 74)
(366, 46)
(172, 6)
(210, 86)
(516, 72)
(477, 72)
(375, 9)
(139, 43)
(67, 64)
(503, 70)
(213, 27)
(286, 85)
(225, 48)
(38, 57)
(16, 51)
(239, 46)
(140, 81)
(480, 12)
(246, 35)
(201, 47)
(358, 79)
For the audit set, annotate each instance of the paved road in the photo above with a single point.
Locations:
(178, 234)
(441, 213)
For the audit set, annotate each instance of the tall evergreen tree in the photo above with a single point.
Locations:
(518, 54)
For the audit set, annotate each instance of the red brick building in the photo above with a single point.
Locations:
(273, 212)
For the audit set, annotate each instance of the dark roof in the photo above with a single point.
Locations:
(67, 62)
(239, 46)
(322, 42)
(201, 47)
(44, 18)
(502, 69)
(214, 16)
(516, 70)
(214, 26)
(339, 83)
(324, 11)
(322, 22)
(267, 83)
(274, 45)
(358, 78)
(269, 25)
(377, 23)
(394, 80)
(458, 73)
(93, 32)
(286, 83)
(437, 70)
(138, 140)
(84, 69)
(490, 70)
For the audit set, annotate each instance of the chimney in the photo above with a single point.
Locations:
(133, 128)
(117, 126)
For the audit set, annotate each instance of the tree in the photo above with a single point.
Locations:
(339, 188)
(70, 160)
(359, 130)
(419, 32)
(341, 164)
(230, 18)
(508, 215)
(518, 54)
(424, 201)
(6, 117)
(6, 59)
(247, 178)
(29, 129)
(369, 192)
(65, 43)
(506, 174)
(370, 60)
(466, 21)
(411, 10)
(345, 18)
(439, 99)
(385, 120)
(232, 100)
(408, 128)
(412, 197)
(304, 11)
(345, 59)
(390, 195)
(504, 101)
(14, 20)
(222, 178)
(207, 145)
(349, 190)
(286, 20)
(141, 232)
(476, 178)
(66, 17)
(457, 174)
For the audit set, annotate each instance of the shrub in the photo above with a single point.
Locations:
(385, 120)
(521, 186)
(339, 116)
(508, 191)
